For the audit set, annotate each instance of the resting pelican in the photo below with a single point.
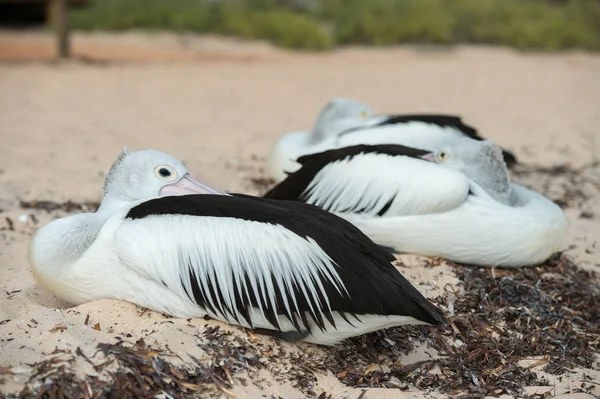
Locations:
(401, 198)
(165, 241)
(344, 122)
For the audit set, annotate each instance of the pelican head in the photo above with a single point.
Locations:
(340, 115)
(141, 175)
(480, 161)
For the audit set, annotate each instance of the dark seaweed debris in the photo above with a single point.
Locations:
(68, 206)
(262, 184)
(566, 185)
(142, 372)
(502, 317)
(554, 308)
(239, 355)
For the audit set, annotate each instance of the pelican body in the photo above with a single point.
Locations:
(167, 242)
(403, 199)
(345, 123)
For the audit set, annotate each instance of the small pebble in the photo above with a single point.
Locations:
(23, 218)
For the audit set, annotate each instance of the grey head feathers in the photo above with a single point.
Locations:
(483, 163)
(133, 176)
(338, 115)
(113, 169)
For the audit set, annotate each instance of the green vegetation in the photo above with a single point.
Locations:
(525, 24)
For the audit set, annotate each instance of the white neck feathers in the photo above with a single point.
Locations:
(59, 244)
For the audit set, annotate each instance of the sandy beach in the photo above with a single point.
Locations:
(219, 105)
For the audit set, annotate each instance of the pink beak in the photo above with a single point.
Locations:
(188, 185)
(428, 157)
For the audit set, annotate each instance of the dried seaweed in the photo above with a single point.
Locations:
(68, 206)
(236, 355)
(566, 185)
(502, 317)
(252, 174)
(551, 310)
(10, 223)
(142, 372)
(262, 184)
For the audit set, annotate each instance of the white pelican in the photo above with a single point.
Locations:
(285, 267)
(344, 122)
(401, 198)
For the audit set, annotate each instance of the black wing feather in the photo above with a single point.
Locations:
(451, 121)
(442, 121)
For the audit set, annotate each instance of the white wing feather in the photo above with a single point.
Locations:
(221, 252)
(414, 134)
(366, 183)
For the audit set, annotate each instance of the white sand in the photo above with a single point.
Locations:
(219, 105)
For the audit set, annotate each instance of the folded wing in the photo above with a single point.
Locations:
(230, 255)
(414, 129)
(381, 180)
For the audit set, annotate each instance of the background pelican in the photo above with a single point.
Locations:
(286, 267)
(344, 122)
(401, 198)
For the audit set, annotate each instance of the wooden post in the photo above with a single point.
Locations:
(60, 26)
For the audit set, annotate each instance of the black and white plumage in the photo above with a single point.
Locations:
(441, 121)
(373, 180)
(283, 266)
(346, 123)
(402, 199)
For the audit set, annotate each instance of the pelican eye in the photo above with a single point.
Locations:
(364, 114)
(443, 156)
(165, 173)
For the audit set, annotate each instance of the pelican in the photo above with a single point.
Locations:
(402, 199)
(165, 241)
(345, 122)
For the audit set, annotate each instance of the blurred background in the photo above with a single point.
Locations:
(321, 25)
(183, 76)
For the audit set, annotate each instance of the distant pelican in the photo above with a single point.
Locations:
(403, 199)
(344, 122)
(165, 241)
